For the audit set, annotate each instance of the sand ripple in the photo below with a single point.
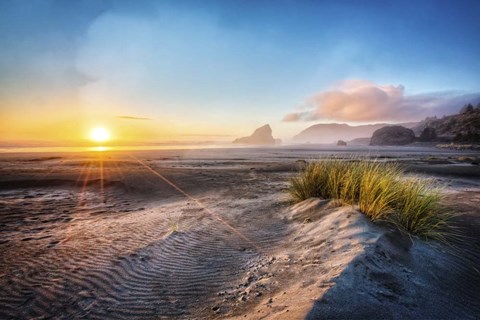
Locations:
(102, 261)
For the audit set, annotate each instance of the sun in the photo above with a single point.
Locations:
(99, 134)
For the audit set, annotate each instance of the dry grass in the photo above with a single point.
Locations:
(419, 211)
(307, 184)
(378, 189)
(380, 192)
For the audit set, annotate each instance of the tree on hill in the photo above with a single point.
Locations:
(428, 134)
(467, 108)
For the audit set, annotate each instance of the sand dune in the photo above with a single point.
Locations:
(129, 245)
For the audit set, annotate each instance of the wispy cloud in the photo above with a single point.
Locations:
(132, 118)
(182, 59)
(361, 100)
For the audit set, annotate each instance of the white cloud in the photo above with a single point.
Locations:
(365, 101)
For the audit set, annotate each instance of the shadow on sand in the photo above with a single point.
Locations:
(398, 278)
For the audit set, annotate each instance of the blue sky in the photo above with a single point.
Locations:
(226, 67)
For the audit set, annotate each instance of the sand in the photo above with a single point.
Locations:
(104, 235)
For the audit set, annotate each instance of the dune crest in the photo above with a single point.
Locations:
(340, 264)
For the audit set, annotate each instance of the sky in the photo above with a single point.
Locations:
(159, 71)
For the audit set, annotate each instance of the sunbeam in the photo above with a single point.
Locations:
(102, 186)
(200, 204)
(84, 185)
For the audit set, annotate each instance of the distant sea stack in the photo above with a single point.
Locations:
(360, 142)
(261, 136)
(392, 136)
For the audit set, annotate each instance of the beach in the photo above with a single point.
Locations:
(211, 234)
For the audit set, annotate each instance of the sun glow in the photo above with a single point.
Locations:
(99, 134)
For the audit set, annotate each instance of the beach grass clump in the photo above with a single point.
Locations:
(380, 191)
(419, 211)
(307, 184)
(319, 179)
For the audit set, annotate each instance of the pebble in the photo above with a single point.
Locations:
(84, 294)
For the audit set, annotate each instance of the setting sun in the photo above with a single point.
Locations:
(99, 134)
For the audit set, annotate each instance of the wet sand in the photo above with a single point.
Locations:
(198, 234)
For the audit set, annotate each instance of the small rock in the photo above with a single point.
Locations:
(84, 294)
(248, 279)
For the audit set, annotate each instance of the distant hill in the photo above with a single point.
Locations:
(392, 136)
(331, 132)
(359, 141)
(461, 127)
(261, 136)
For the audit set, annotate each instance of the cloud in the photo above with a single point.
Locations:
(292, 117)
(132, 118)
(365, 101)
(171, 63)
